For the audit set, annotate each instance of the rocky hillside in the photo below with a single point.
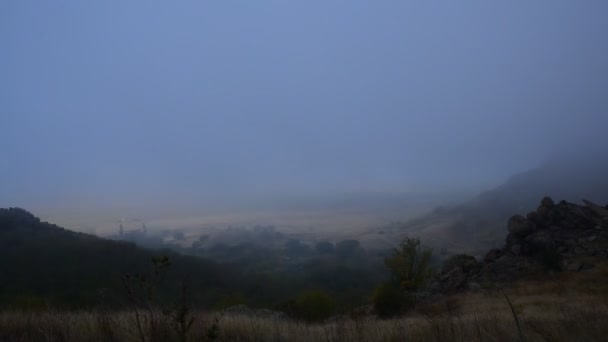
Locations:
(478, 224)
(555, 237)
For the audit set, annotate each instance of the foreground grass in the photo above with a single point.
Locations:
(564, 320)
(560, 307)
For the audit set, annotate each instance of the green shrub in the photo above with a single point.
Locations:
(410, 265)
(314, 306)
(390, 301)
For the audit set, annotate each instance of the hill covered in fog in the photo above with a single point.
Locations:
(479, 223)
(42, 265)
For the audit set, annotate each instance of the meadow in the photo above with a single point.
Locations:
(533, 316)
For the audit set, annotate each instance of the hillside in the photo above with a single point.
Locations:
(516, 293)
(562, 237)
(43, 264)
(479, 223)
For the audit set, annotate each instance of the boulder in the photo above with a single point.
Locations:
(474, 286)
(565, 236)
(520, 226)
(515, 249)
(547, 202)
(492, 255)
(545, 206)
(455, 280)
(536, 218)
(455, 273)
(537, 242)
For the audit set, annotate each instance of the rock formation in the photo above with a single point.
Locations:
(555, 237)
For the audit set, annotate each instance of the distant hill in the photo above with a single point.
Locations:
(477, 224)
(43, 264)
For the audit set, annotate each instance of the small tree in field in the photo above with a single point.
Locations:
(410, 265)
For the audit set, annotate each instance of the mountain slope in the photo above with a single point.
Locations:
(43, 264)
(477, 224)
(553, 238)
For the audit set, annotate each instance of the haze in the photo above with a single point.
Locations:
(217, 102)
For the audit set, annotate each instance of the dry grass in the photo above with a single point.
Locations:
(569, 306)
(466, 318)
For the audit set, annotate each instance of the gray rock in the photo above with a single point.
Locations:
(536, 217)
(538, 241)
(520, 226)
(473, 286)
(492, 255)
(576, 234)
(456, 280)
(547, 202)
(515, 249)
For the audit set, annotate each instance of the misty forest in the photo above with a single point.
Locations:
(303, 170)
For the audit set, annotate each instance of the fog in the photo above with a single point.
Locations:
(206, 103)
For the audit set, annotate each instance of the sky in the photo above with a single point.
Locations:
(160, 101)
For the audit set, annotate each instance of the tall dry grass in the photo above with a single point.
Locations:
(454, 320)
(561, 307)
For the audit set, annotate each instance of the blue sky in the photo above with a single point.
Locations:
(158, 100)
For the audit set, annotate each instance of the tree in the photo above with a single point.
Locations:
(348, 249)
(295, 248)
(325, 247)
(410, 265)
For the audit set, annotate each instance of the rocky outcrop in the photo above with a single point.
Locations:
(555, 237)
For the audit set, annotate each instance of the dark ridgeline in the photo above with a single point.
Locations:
(42, 264)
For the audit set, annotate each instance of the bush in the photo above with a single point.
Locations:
(390, 301)
(410, 265)
(314, 306)
(325, 247)
(349, 249)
